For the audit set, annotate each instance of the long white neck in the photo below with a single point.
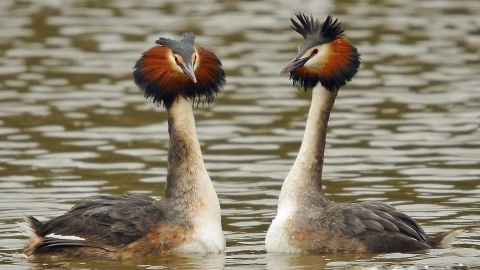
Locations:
(189, 190)
(303, 185)
(187, 179)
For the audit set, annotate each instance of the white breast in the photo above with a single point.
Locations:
(207, 238)
(277, 238)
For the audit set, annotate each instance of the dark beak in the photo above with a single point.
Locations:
(188, 69)
(294, 64)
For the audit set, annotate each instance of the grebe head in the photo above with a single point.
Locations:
(183, 53)
(325, 56)
(179, 69)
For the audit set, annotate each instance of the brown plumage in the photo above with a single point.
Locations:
(156, 75)
(113, 228)
(340, 58)
(306, 220)
(179, 75)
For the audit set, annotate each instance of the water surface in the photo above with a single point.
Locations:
(405, 131)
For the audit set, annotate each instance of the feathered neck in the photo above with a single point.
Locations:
(303, 184)
(186, 169)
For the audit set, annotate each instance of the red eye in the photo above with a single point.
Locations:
(315, 51)
(176, 60)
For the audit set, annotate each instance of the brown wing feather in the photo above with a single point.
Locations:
(358, 227)
(403, 223)
(103, 221)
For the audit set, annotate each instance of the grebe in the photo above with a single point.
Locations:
(179, 75)
(306, 221)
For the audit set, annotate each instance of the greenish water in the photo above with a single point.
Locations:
(406, 130)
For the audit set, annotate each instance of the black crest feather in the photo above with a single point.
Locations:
(312, 29)
(184, 46)
(343, 63)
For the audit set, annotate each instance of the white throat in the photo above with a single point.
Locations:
(301, 184)
(306, 172)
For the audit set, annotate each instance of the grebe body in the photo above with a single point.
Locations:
(306, 221)
(177, 75)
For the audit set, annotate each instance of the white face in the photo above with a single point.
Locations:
(195, 60)
(319, 58)
(177, 59)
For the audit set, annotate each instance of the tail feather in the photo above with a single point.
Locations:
(33, 226)
(33, 223)
(445, 239)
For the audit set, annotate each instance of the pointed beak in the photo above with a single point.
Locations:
(294, 64)
(188, 69)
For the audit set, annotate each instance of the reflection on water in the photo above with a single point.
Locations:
(187, 261)
(404, 131)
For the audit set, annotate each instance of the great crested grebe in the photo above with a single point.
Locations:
(306, 221)
(179, 75)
